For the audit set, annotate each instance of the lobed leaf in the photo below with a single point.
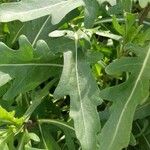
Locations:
(24, 64)
(77, 82)
(28, 10)
(126, 97)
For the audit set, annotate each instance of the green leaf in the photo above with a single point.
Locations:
(65, 127)
(109, 35)
(69, 140)
(145, 139)
(6, 116)
(132, 140)
(48, 140)
(144, 3)
(120, 7)
(77, 82)
(28, 10)
(130, 31)
(60, 124)
(91, 12)
(4, 78)
(27, 147)
(5, 136)
(5, 147)
(26, 138)
(38, 100)
(126, 97)
(36, 29)
(24, 64)
(127, 5)
(117, 26)
(34, 137)
(142, 111)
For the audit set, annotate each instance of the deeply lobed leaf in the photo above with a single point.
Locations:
(24, 64)
(28, 10)
(77, 82)
(125, 97)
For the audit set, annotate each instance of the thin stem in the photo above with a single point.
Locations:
(31, 64)
(55, 122)
(37, 100)
(108, 20)
(44, 142)
(26, 99)
(146, 140)
(14, 39)
(40, 31)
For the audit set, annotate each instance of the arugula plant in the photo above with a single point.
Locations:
(74, 74)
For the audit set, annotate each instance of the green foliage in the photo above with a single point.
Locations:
(23, 65)
(74, 74)
(26, 10)
(84, 98)
(9, 116)
(143, 3)
(126, 97)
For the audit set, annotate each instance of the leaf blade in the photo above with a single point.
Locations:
(132, 93)
(28, 10)
(84, 97)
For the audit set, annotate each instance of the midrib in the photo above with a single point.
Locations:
(130, 97)
(78, 86)
(40, 31)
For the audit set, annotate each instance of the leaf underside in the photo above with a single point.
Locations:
(28, 10)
